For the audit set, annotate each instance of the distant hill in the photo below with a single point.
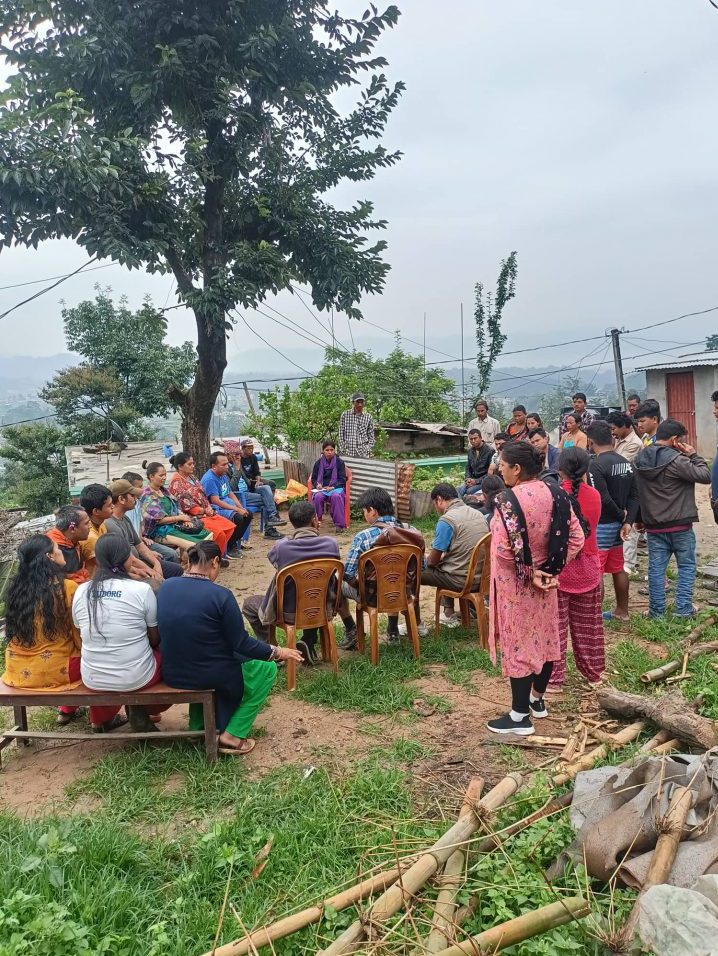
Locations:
(22, 376)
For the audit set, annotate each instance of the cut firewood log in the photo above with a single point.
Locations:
(445, 906)
(670, 712)
(660, 738)
(671, 667)
(352, 940)
(522, 927)
(588, 760)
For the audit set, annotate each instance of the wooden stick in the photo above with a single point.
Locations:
(553, 806)
(670, 667)
(586, 761)
(661, 864)
(523, 927)
(660, 738)
(416, 876)
(290, 924)
(671, 712)
(445, 907)
(666, 747)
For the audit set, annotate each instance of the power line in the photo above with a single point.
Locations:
(49, 288)
(274, 348)
(27, 421)
(688, 315)
(20, 285)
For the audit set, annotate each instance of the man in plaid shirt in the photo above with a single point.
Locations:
(585, 417)
(356, 430)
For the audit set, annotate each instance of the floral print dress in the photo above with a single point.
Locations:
(523, 621)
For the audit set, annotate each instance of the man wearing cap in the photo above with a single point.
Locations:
(356, 430)
(260, 494)
(146, 564)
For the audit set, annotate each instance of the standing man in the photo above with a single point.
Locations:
(540, 440)
(259, 493)
(647, 418)
(667, 473)
(585, 418)
(627, 442)
(215, 485)
(477, 463)
(517, 429)
(356, 430)
(488, 426)
(612, 477)
(632, 403)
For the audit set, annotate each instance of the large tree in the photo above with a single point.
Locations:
(117, 382)
(198, 138)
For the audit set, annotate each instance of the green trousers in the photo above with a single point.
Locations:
(259, 677)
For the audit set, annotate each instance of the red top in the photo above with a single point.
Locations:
(584, 572)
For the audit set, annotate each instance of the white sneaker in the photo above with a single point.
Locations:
(449, 620)
(421, 628)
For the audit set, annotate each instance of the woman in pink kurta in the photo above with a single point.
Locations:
(534, 533)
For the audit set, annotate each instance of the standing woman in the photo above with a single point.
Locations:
(534, 533)
(205, 645)
(579, 584)
(161, 518)
(533, 421)
(573, 437)
(117, 618)
(187, 491)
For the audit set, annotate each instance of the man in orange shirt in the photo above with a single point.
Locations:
(72, 525)
(97, 502)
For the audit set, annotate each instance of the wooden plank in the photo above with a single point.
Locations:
(114, 735)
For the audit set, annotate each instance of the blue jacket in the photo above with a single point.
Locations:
(553, 454)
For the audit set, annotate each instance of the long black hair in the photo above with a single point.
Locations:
(202, 554)
(521, 453)
(574, 462)
(181, 458)
(35, 592)
(491, 486)
(111, 552)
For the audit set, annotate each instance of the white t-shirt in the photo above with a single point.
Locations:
(118, 655)
(489, 428)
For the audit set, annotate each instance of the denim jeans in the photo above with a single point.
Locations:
(661, 545)
(263, 497)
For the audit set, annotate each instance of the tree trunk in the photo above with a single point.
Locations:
(198, 403)
(670, 712)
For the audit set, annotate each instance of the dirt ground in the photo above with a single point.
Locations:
(33, 779)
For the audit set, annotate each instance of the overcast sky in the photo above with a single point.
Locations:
(583, 135)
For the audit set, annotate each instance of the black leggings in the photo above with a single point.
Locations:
(521, 688)
(241, 524)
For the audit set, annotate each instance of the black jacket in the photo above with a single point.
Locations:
(613, 478)
(666, 485)
(477, 462)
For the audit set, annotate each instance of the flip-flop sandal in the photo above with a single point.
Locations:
(247, 747)
(64, 719)
(109, 725)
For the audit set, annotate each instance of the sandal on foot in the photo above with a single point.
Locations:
(117, 721)
(246, 747)
(64, 719)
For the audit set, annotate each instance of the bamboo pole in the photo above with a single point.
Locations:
(666, 747)
(664, 854)
(445, 907)
(416, 876)
(690, 648)
(522, 927)
(586, 761)
(296, 921)
(660, 738)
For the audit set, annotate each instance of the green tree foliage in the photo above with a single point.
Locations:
(711, 343)
(35, 470)
(127, 373)
(488, 310)
(199, 139)
(397, 388)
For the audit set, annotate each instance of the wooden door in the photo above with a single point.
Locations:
(681, 401)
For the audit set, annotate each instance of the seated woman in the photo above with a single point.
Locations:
(205, 645)
(161, 518)
(117, 618)
(187, 491)
(329, 479)
(573, 437)
(42, 650)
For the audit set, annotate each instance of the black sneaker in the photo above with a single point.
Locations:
(276, 520)
(393, 637)
(538, 708)
(349, 641)
(272, 533)
(306, 652)
(224, 562)
(506, 725)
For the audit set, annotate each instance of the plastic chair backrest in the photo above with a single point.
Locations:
(391, 565)
(481, 549)
(311, 579)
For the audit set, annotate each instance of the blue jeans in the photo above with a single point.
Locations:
(263, 497)
(165, 552)
(661, 545)
(469, 489)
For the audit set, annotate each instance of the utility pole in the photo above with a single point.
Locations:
(618, 364)
(250, 403)
(463, 388)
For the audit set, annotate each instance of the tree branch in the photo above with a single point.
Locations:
(184, 283)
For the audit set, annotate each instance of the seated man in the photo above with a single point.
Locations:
(135, 518)
(458, 531)
(72, 527)
(146, 564)
(329, 481)
(499, 443)
(304, 544)
(97, 502)
(477, 464)
(260, 494)
(215, 484)
(540, 440)
(378, 510)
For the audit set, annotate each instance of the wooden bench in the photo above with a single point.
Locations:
(20, 698)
